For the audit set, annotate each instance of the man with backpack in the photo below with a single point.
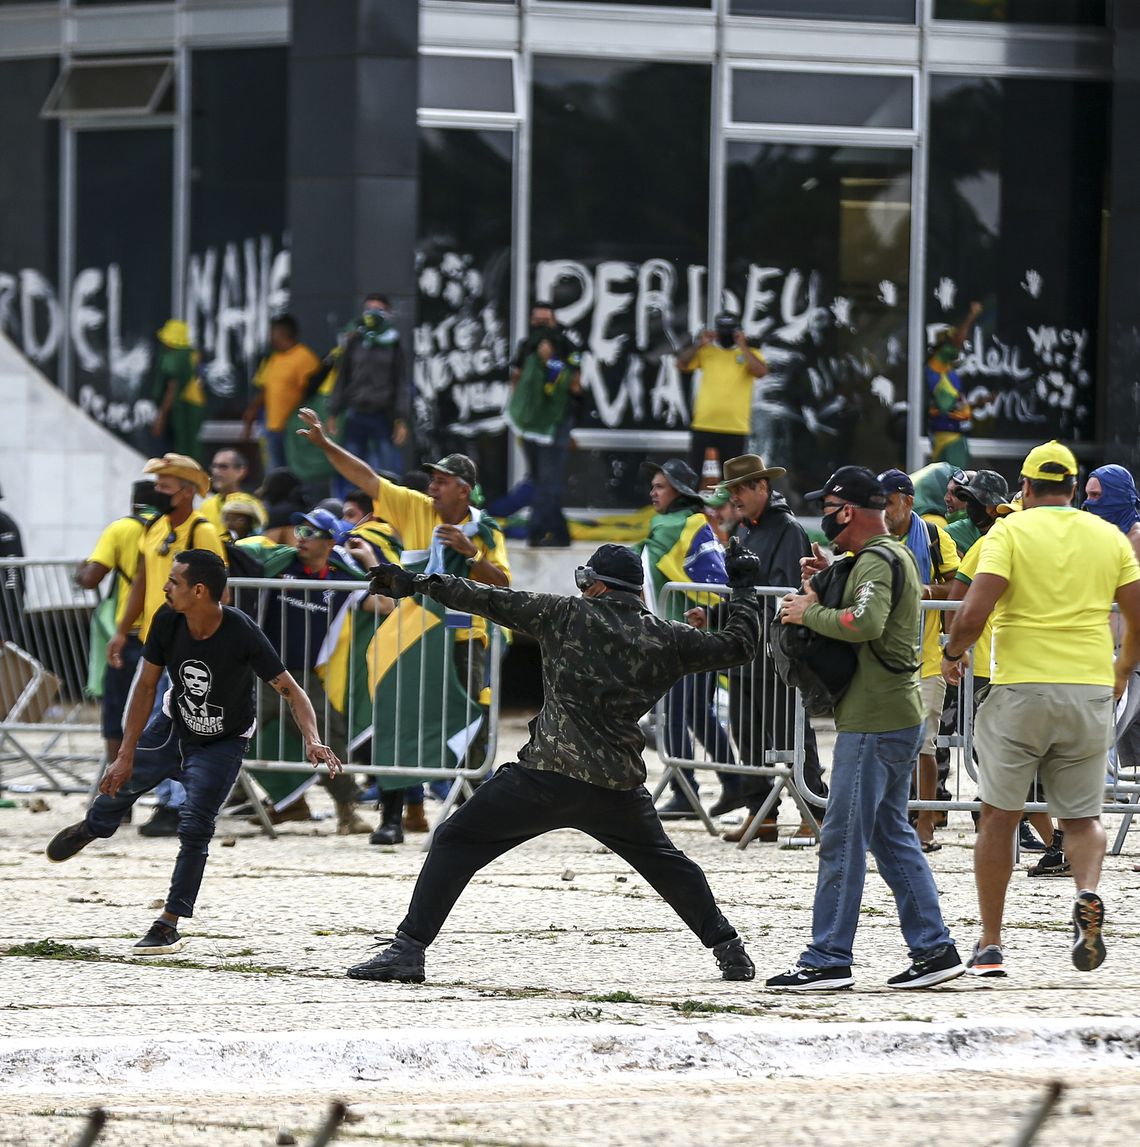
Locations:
(878, 717)
(937, 557)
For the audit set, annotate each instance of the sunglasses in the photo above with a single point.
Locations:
(222, 466)
(170, 539)
(306, 532)
(960, 477)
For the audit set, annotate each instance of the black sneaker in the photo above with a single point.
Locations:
(930, 971)
(733, 961)
(1028, 840)
(802, 979)
(161, 940)
(988, 961)
(402, 960)
(68, 841)
(677, 809)
(1052, 863)
(1088, 921)
(164, 822)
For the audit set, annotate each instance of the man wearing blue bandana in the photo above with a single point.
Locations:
(1110, 493)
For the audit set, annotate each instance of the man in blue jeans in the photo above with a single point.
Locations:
(201, 733)
(879, 720)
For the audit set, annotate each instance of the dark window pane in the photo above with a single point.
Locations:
(29, 212)
(1023, 11)
(619, 240)
(648, 3)
(821, 99)
(110, 89)
(877, 11)
(467, 83)
(463, 254)
(238, 271)
(1015, 223)
(123, 223)
(817, 246)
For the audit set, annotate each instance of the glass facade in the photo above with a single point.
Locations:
(817, 265)
(1016, 219)
(640, 192)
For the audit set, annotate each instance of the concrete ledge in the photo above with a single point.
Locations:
(411, 1056)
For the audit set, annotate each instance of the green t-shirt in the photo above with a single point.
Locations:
(963, 532)
(877, 701)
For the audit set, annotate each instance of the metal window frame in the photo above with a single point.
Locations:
(822, 69)
(457, 117)
(85, 63)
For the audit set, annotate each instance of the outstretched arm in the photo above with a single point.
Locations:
(302, 710)
(736, 644)
(348, 466)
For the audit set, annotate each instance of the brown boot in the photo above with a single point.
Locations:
(349, 822)
(298, 810)
(769, 831)
(414, 819)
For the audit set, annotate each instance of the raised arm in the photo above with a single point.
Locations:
(736, 644)
(348, 466)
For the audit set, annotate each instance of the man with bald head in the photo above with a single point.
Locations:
(228, 474)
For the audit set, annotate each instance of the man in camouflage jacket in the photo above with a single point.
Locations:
(605, 661)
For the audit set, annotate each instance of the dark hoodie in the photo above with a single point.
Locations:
(779, 541)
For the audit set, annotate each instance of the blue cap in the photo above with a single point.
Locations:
(325, 521)
(896, 482)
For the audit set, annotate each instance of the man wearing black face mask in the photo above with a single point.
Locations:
(542, 412)
(722, 407)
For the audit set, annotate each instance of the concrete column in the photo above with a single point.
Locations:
(353, 172)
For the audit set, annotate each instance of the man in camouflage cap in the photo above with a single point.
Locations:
(605, 661)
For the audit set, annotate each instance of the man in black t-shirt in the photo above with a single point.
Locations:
(200, 734)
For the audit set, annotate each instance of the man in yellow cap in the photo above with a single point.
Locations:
(1049, 576)
(178, 527)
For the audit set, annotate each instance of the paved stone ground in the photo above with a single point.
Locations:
(557, 936)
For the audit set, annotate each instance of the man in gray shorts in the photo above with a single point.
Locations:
(1049, 576)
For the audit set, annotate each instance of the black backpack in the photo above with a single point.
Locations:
(820, 667)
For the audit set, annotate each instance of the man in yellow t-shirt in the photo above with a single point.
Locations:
(178, 527)
(1049, 576)
(722, 407)
(117, 552)
(280, 385)
(443, 530)
(937, 558)
(228, 474)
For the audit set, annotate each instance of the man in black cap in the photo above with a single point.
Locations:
(879, 725)
(605, 660)
(682, 547)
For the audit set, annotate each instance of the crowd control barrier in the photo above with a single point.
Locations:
(405, 695)
(755, 698)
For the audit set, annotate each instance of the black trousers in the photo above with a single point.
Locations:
(763, 717)
(517, 804)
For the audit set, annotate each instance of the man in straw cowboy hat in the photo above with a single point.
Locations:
(759, 712)
(178, 527)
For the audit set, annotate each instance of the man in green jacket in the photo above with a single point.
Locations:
(879, 725)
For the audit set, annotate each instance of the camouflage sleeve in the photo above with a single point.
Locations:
(529, 613)
(736, 644)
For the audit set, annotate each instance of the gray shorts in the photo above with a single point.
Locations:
(1060, 732)
(933, 696)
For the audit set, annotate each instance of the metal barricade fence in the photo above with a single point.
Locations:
(755, 698)
(49, 730)
(405, 688)
(397, 695)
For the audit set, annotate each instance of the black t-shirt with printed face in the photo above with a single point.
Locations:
(211, 681)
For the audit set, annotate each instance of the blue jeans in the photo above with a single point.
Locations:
(691, 705)
(207, 771)
(369, 436)
(870, 785)
(170, 794)
(547, 465)
(275, 448)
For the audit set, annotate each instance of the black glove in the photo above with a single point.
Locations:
(392, 581)
(744, 568)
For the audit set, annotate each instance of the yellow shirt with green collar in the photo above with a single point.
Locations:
(945, 567)
(159, 546)
(723, 403)
(118, 550)
(413, 517)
